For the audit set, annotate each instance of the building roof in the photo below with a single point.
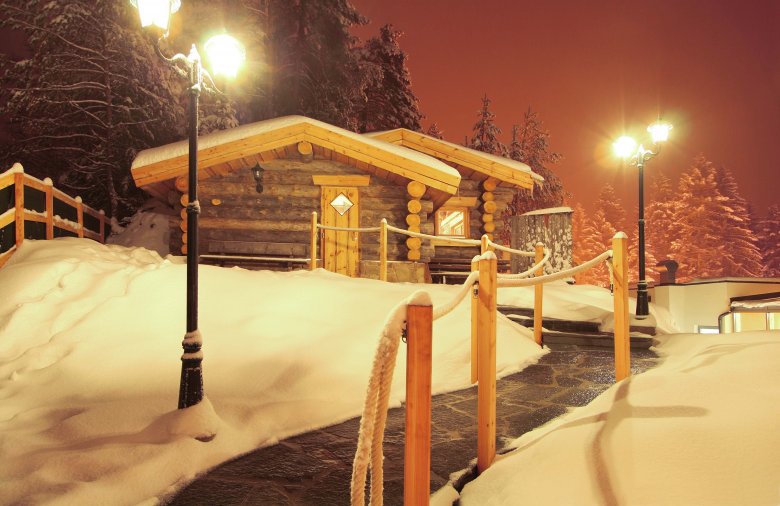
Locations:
(470, 162)
(155, 169)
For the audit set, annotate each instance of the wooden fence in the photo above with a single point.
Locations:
(34, 209)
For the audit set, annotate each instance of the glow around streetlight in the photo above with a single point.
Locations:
(624, 147)
(659, 131)
(156, 12)
(225, 54)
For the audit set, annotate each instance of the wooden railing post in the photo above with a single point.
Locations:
(620, 295)
(19, 206)
(313, 242)
(486, 389)
(80, 215)
(383, 250)
(417, 448)
(102, 226)
(484, 247)
(538, 295)
(474, 319)
(49, 208)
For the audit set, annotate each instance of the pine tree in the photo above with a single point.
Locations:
(579, 249)
(90, 96)
(486, 132)
(659, 217)
(596, 238)
(698, 247)
(742, 258)
(612, 207)
(389, 101)
(769, 241)
(314, 65)
(435, 131)
(530, 145)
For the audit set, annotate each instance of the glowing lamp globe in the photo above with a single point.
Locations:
(156, 13)
(225, 54)
(659, 131)
(624, 147)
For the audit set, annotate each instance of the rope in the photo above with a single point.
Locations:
(530, 271)
(445, 309)
(503, 282)
(372, 421)
(510, 250)
(347, 229)
(611, 268)
(470, 242)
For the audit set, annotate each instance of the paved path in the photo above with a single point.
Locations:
(315, 468)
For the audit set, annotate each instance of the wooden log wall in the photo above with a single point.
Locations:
(232, 210)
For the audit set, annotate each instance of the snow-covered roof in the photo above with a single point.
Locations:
(501, 168)
(549, 210)
(170, 161)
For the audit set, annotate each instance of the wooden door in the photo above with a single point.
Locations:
(340, 208)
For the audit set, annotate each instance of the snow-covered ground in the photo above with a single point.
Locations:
(90, 340)
(89, 371)
(699, 429)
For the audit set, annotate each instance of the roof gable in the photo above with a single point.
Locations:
(506, 170)
(170, 161)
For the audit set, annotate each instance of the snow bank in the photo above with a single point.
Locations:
(90, 340)
(699, 429)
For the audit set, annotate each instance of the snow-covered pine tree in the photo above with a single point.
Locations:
(579, 249)
(698, 247)
(742, 258)
(435, 131)
(486, 132)
(612, 208)
(596, 238)
(531, 145)
(659, 218)
(633, 257)
(90, 95)
(769, 241)
(389, 101)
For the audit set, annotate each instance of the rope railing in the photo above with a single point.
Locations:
(547, 278)
(348, 229)
(454, 240)
(512, 251)
(531, 271)
(413, 319)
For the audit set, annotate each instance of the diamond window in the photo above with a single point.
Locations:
(341, 204)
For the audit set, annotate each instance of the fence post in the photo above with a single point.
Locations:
(49, 208)
(484, 246)
(383, 249)
(80, 215)
(19, 206)
(102, 226)
(538, 295)
(474, 317)
(486, 389)
(620, 296)
(417, 447)
(313, 242)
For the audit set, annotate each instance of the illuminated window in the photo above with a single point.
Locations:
(452, 222)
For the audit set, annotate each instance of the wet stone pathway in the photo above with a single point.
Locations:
(315, 468)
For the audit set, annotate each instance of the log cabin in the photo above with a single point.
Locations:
(259, 183)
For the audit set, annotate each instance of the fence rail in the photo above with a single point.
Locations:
(417, 319)
(31, 208)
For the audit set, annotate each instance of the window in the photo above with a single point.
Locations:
(452, 222)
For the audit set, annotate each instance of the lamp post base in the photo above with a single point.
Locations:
(642, 303)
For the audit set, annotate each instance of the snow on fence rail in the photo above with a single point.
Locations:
(413, 320)
(30, 200)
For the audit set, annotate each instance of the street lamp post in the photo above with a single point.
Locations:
(636, 154)
(155, 17)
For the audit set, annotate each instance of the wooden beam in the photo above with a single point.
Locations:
(19, 206)
(341, 180)
(486, 388)
(538, 294)
(417, 447)
(620, 298)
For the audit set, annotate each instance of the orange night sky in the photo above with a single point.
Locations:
(596, 70)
